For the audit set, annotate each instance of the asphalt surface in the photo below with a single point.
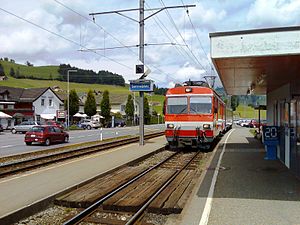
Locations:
(11, 144)
(248, 189)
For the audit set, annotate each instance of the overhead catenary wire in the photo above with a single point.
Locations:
(61, 36)
(172, 38)
(96, 24)
(197, 36)
(174, 24)
(116, 39)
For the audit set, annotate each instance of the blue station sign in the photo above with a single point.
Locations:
(141, 85)
(270, 133)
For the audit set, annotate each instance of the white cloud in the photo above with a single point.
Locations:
(274, 13)
(23, 41)
(206, 18)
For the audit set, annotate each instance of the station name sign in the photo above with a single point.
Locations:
(141, 85)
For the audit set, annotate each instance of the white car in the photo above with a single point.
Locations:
(89, 124)
(24, 127)
(245, 123)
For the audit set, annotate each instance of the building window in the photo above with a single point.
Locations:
(1, 106)
(10, 107)
(122, 108)
(50, 102)
(42, 102)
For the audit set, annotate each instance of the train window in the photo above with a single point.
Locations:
(200, 105)
(177, 105)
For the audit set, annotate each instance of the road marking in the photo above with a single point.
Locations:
(208, 204)
(7, 146)
(63, 164)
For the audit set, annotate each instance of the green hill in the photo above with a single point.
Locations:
(42, 72)
(244, 111)
(117, 93)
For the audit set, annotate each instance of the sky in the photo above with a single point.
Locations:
(53, 32)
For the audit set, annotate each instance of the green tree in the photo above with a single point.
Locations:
(12, 72)
(74, 103)
(1, 70)
(129, 108)
(105, 106)
(90, 107)
(146, 111)
(17, 75)
(164, 107)
(234, 102)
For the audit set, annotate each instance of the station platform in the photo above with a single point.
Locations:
(240, 187)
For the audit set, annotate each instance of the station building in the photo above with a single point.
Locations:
(265, 61)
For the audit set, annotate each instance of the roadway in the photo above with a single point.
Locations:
(11, 144)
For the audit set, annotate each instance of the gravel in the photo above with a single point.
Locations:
(51, 216)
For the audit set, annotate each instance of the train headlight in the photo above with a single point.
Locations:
(187, 90)
(170, 125)
(206, 126)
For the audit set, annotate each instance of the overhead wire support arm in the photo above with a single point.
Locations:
(120, 12)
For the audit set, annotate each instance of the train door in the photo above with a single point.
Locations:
(277, 122)
(287, 134)
(297, 138)
(215, 113)
(281, 132)
(293, 137)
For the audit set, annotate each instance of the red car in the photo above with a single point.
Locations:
(54, 123)
(254, 123)
(45, 135)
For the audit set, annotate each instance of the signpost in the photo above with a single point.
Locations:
(271, 140)
(141, 85)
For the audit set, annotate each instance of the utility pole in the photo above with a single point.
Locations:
(141, 22)
(141, 58)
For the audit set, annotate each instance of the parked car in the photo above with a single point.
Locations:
(89, 124)
(245, 123)
(46, 135)
(254, 123)
(1, 128)
(55, 123)
(24, 126)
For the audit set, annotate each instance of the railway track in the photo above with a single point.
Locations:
(39, 161)
(157, 189)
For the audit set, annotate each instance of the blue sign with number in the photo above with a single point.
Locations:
(270, 133)
(271, 140)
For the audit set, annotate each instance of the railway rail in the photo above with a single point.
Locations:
(147, 190)
(38, 161)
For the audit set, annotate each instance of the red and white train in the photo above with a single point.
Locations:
(195, 115)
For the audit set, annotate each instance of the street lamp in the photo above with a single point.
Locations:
(68, 97)
(158, 118)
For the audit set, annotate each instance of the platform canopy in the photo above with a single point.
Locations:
(256, 61)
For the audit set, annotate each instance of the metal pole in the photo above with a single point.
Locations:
(134, 117)
(141, 57)
(68, 117)
(68, 97)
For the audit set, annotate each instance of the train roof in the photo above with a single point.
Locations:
(194, 90)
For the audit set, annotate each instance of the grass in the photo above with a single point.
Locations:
(244, 111)
(36, 71)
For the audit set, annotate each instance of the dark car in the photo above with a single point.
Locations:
(55, 123)
(46, 135)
